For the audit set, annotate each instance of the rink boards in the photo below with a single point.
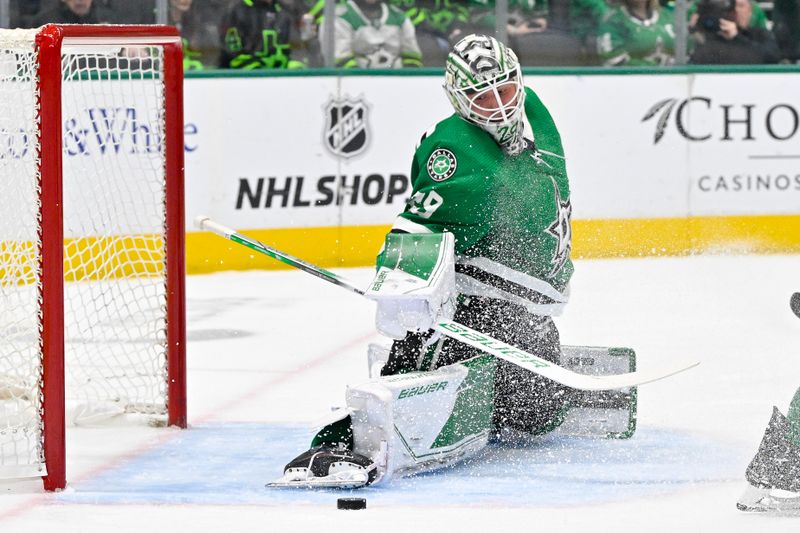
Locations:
(660, 163)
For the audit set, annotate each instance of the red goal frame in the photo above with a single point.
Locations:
(49, 41)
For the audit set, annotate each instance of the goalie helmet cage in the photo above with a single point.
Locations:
(94, 196)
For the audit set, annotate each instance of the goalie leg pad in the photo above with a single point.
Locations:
(609, 414)
(421, 421)
(377, 357)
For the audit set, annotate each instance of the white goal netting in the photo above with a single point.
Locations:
(114, 238)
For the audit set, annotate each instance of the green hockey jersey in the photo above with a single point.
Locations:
(627, 40)
(386, 41)
(510, 215)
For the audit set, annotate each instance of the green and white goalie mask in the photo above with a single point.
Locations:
(483, 81)
(414, 285)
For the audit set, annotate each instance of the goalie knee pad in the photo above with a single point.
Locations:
(525, 401)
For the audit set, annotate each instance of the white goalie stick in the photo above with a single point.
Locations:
(460, 332)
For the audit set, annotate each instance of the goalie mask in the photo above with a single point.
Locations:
(483, 81)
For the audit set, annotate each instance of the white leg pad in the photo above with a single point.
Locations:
(605, 414)
(421, 421)
(377, 356)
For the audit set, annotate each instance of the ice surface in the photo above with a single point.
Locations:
(270, 353)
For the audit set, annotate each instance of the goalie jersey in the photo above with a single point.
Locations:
(510, 215)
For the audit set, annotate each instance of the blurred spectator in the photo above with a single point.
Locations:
(758, 18)
(528, 16)
(22, 12)
(131, 12)
(585, 17)
(306, 16)
(74, 12)
(255, 35)
(372, 34)
(482, 18)
(722, 35)
(786, 19)
(438, 25)
(637, 33)
(538, 31)
(200, 38)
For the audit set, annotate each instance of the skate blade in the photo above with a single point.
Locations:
(351, 482)
(771, 501)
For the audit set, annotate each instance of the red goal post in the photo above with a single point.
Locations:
(97, 161)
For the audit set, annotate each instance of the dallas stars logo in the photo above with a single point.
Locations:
(561, 230)
(441, 164)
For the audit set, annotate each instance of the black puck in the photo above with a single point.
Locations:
(794, 303)
(351, 504)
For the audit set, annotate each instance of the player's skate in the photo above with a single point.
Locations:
(774, 473)
(327, 467)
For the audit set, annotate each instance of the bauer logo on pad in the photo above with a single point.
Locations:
(346, 130)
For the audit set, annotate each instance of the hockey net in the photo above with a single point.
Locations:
(91, 235)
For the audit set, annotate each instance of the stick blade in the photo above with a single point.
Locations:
(537, 365)
(640, 377)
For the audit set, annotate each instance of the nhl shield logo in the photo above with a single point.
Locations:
(346, 131)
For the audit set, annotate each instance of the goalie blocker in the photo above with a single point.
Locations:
(415, 284)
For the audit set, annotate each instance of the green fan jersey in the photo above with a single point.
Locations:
(385, 41)
(436, 16)
(584, 18)
(626, 40)
(510, 215)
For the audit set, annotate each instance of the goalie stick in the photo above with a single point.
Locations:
(460, 332)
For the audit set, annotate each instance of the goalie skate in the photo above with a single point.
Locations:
(326, 467)
(775, 501)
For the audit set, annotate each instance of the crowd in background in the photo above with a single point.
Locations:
(268, 34)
